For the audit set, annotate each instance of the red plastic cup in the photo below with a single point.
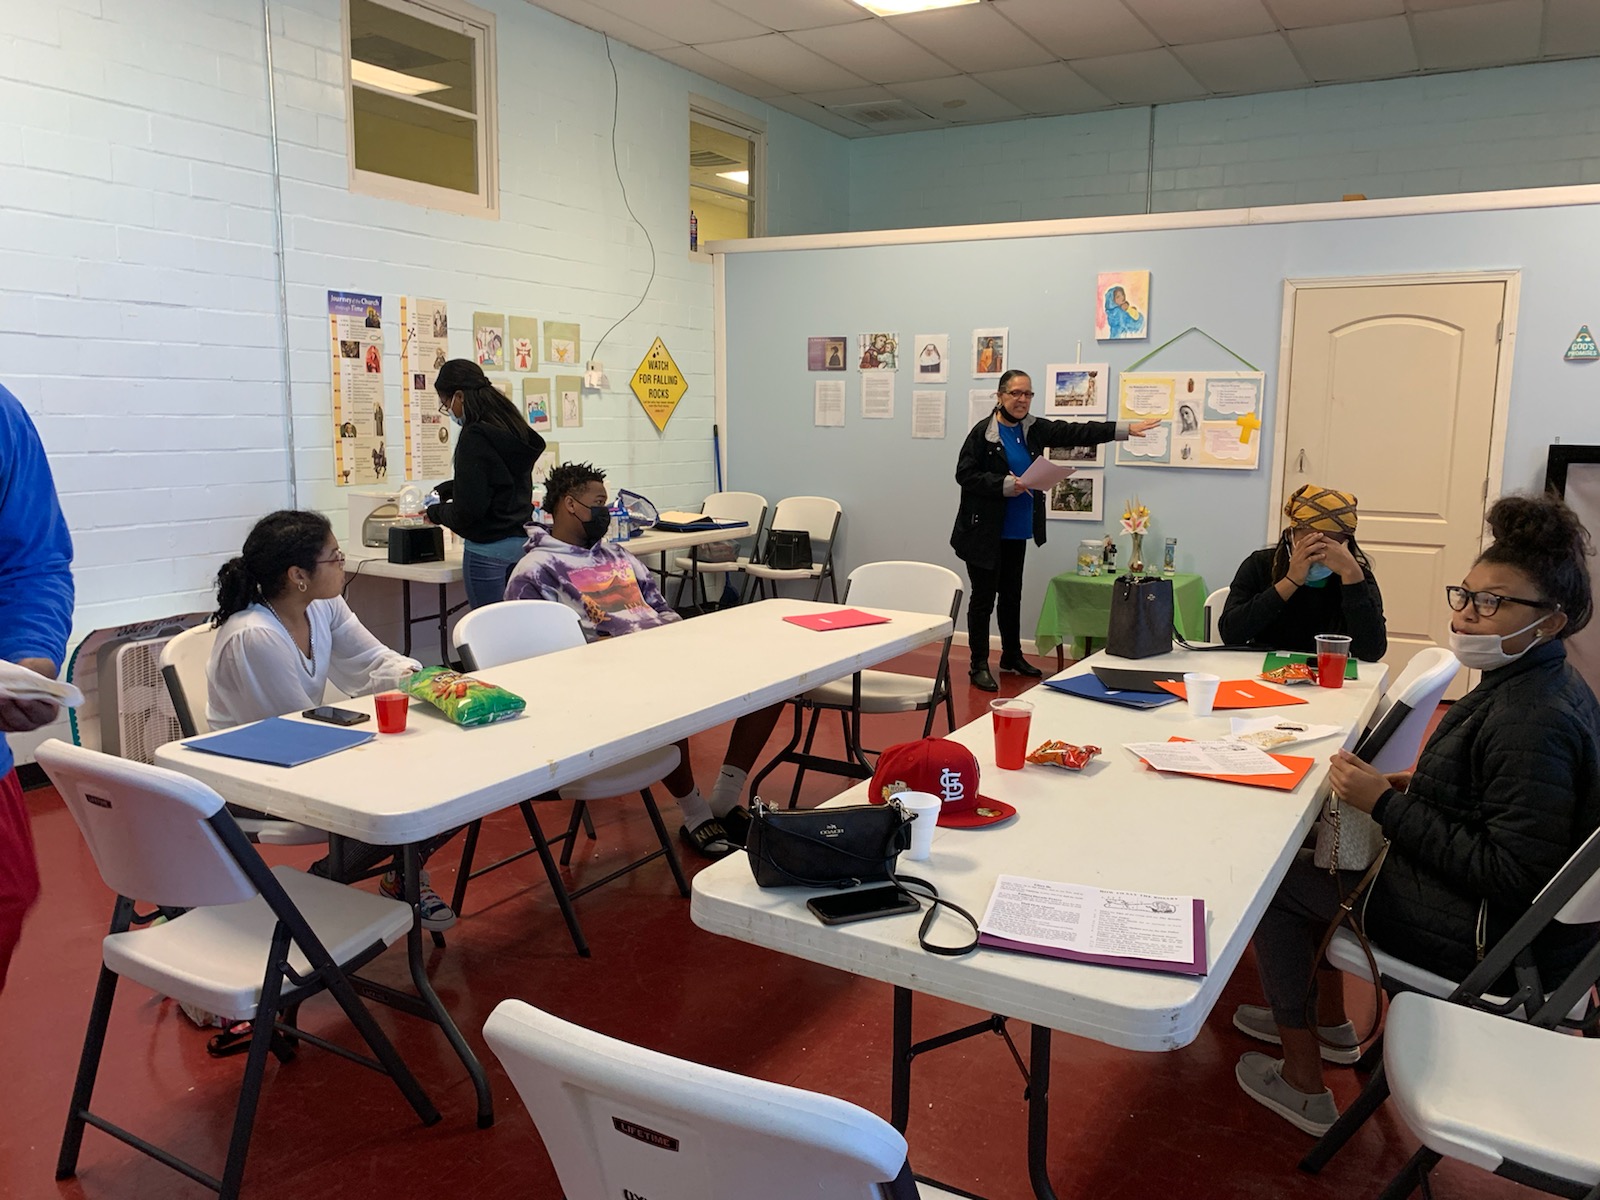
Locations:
(1333, 655)
(392, 711)
(1011, 721)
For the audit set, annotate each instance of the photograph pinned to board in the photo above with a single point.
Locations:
(1076, 390)
(828, 404)
(933, 357)
(536, 402)
(561, 343)
(489, 340)
(524, 335)
(879, 351)
(1209, 419)
(425, 328)
(980, 405)
(826, 353)
(1078, 456)
(927, 414)
(546, 462)
(1122, 305)
(877, 397)
(1077, 498)
(989, 353)
(569, 401)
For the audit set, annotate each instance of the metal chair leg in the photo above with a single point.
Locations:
(665, 838)
(569, 839)
(781, 757)
(94, 1043)
(1371, 1098)
(1413, 1175)
(563, 900)
(800, 767)
(464, 871)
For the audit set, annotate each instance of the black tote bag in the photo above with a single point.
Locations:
(1141, 617)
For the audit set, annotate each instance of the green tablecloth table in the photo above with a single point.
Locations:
(1077, 611)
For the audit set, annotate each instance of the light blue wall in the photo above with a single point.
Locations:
(900, 495)
(1513, 127)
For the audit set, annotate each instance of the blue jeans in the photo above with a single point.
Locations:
(487, 567)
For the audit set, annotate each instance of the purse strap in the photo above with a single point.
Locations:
(905, 883)
(1346, 917)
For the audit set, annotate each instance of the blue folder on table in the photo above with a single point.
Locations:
(1090, 688)
(279, 742)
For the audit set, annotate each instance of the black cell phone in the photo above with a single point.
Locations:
(335, 716)
(862, 904)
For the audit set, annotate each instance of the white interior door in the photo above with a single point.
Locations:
(1391, 397)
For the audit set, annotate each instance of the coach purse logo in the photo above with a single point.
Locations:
(830, 831)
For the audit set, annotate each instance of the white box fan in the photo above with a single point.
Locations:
(127, 710)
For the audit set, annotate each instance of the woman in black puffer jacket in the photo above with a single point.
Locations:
(1506, 790)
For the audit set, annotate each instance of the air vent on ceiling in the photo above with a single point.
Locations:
(882, 112)
(707, 159)
(382, 51)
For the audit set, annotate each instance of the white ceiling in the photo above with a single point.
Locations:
(835, 64)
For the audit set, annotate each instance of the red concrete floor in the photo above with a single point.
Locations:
(1123, 1124)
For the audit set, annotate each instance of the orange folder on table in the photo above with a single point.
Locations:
(1238, 693)
(1298, 768)
(843, 618)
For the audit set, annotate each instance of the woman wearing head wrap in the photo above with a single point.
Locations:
(1314, 580)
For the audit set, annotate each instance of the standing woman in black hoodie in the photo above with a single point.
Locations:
(490, 501)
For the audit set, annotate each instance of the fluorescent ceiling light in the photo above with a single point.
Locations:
(737, 176)
(392, 81)
(895, 8)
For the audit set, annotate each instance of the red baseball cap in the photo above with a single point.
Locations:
(942, 768)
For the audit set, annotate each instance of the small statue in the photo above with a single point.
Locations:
(1108, 555)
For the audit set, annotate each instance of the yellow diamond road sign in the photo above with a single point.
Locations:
(659, 384)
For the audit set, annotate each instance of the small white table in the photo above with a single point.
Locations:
(653, 688)
(1116, 824)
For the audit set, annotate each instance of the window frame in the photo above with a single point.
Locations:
(470, 21)
(705, 111)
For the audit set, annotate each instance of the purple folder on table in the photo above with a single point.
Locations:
(1197, 967)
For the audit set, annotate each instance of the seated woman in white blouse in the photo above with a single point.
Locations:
(284, 633)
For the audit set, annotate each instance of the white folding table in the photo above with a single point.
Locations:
(1117, 825)
(654, 687)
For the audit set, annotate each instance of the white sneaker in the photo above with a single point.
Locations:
(1256, 1021)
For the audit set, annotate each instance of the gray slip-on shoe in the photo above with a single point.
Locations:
(1262, 1080)
(1255, 1020)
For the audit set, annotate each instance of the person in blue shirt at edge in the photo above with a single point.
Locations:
(36, 595)
(1314, 580)
(996, 517)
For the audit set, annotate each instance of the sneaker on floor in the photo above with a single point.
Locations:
(708, 839)
(1256, 1021)
(437, 916)
(1261, 1078)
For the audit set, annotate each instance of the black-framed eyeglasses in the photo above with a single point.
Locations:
(1488, 603)
(1014, 392)
(444, 408)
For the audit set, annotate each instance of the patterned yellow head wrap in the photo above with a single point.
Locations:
(1314, 507)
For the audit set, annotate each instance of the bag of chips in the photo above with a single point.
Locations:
(1291, 673)
(465, 700)
(1063, 754)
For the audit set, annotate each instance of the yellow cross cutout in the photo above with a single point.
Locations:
(1247, 424)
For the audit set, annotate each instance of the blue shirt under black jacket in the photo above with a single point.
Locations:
(36, 591)
(1019, 508)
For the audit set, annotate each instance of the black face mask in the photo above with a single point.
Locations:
(595, 527)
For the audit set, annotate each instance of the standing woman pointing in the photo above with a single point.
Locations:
(996, 517)
(490, 501)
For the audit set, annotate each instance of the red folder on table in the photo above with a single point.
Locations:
(842, 618)
(1238, 693)
(1298, 768)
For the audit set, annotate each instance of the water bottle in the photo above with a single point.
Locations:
(619, 520)
(624, 522)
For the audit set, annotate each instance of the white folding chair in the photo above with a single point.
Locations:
(618, 1120)
(1514, 1099)
(1572, 897)
(184, 661)
(1215, 603)
(814, 515)
(518, 629)
(749, 507)
(253, 945)
(910, 587)
(1401, 721)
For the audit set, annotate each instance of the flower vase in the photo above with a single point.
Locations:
(1136, 559)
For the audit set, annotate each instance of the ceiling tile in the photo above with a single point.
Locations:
(1253, 64)
(874, 51)
(1572, 27)
(784, 15)
(1148, 77)
(1475, 37)
(817, 115)
(960, 99)
(1430, 5)
(687, 21)
(1296, 14)
(972, 37)
(856, 95)
(703, 64)
(1048, 89)
(1178, 22)
(592, 16)
(790, 66)
(1377, 49)
(1080, 28)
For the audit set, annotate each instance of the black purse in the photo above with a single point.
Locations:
(788, 549)
(826, 847)
(1140, 624)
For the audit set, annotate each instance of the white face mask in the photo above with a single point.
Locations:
(1486, 651)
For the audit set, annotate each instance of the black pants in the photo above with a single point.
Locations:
(1003, 584)
(1287, 937)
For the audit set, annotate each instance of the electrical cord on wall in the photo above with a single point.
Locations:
(616, 104)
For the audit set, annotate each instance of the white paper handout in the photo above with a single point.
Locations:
(19, 683)
(828, 407)
(1043, 474)
(1095, 923)
(1207, 758)
(927, 414)
(1268, 733)
(877, 396)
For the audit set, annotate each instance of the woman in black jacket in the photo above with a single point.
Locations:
(490, 501)
(1506, 790)
(996, 519)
